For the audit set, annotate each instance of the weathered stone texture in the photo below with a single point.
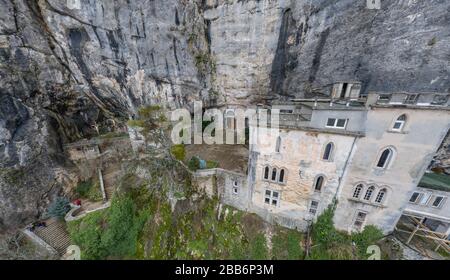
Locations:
(64, 70)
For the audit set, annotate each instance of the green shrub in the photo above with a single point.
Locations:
(90, 190)
(118, 237)
(110, 233)
(211, 164)
(179, 152)
(324, 231)
(95, 193)
(369, 236)
(59, 208)
(333, 244)
(194, 164)
(83, 188)
(87, 233)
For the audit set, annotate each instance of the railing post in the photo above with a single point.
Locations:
(102, 186)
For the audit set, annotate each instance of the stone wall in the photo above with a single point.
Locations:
(414, 148)
(301, 156)
(65, 72)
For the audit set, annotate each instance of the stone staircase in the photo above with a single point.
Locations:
(110, 175)
(55, 235)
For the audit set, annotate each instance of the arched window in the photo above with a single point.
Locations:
(385, 158)
(266, 173)
(318, 184)
(399, 123)
(381, 195)
(230, 119)
(278, 146)
(274, 174)
(358, 191)
(369, 193)
(281, 177)
(328, 152)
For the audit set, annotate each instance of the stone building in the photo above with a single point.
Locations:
(365, 154)
(403, 132)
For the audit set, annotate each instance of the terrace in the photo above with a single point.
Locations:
(228, 157)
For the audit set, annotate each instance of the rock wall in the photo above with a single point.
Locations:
(64, 71)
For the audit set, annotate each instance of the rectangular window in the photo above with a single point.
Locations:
(341, 123)
(337, 123)
(272, 198)
(360, 220)
(384, 98)
(415, 197)
(285, 111)
(424, 199)
(313, 207)
(411, 98)
(438, 201)
(331, 122)
(439, 100)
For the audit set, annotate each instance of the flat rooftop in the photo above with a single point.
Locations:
(434, 181)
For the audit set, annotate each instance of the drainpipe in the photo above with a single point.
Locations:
(347, 163)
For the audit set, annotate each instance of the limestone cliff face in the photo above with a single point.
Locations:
(64, 70)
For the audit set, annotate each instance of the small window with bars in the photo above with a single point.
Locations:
(272, 198)
(411, 98)
(313, 207)
(360, 220)
(336, 123)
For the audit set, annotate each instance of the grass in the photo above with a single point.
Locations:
(136, 123)
(258, 248)
(286, 245)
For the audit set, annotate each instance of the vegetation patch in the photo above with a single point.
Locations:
(59, 208)
(329, 243)
(179, 152)
(90, 190)
(111, 233)
(194, 164)
(287, 245)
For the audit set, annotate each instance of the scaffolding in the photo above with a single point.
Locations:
(421, 230)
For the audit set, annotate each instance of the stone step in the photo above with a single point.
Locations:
(55, 235)
(109, 179)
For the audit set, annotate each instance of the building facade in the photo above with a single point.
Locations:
(365, 155)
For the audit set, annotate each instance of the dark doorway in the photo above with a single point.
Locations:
(344, 90)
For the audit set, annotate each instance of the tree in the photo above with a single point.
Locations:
(59, 208)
